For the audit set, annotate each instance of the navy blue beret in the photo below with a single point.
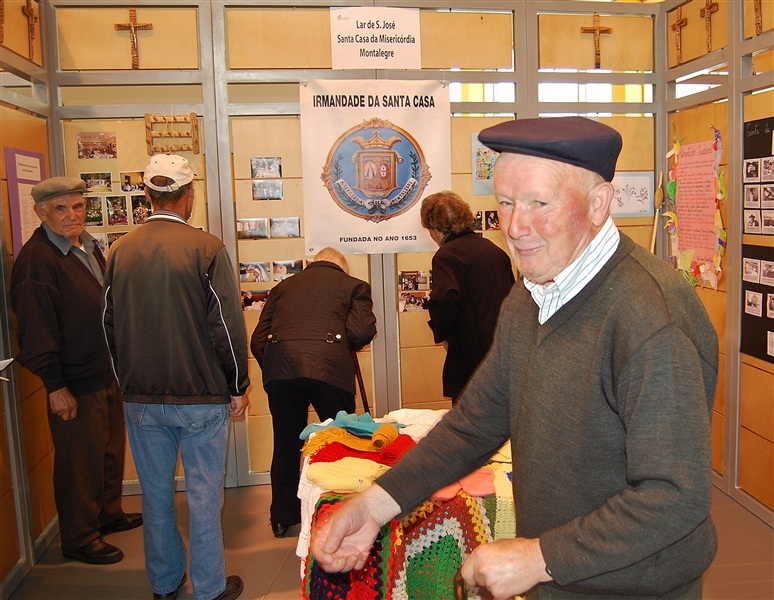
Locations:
(574, 140)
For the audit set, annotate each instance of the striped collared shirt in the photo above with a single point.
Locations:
(550, 297)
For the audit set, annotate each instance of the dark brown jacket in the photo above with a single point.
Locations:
(310, 324)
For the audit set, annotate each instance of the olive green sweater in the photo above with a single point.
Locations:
(608, 407)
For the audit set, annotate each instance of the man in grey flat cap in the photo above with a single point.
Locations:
(602, 374)
(56, 294)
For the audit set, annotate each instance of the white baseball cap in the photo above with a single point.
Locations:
(168, 165)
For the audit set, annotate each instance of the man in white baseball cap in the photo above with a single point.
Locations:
(180, 356)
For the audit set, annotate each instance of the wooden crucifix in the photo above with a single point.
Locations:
(132, 26)
(706, 14)
(677, 27)
(2, 21)
(597, 30)
(758, 16)
(32, 19)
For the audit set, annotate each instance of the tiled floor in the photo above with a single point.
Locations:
(743, 568)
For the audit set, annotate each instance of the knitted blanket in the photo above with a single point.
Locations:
(412, 559)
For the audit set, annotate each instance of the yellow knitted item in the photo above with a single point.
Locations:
(384, 436)
(346, 475)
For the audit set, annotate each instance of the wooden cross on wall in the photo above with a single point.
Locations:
(132, 26)
(597, 30)
(758, 17)
(706, 14)
(32, 19)
(677, 27)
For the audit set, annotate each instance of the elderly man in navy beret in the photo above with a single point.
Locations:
(56, 293)
(602, 375)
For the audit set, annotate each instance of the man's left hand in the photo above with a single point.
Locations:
(506, 568)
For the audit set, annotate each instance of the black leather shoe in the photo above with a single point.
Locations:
(128, 521)
(279, 529)
(173, 594)
(234, 587)
(96, 552)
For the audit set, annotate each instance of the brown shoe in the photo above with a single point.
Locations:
(96, 552)
(125, 523)
(234, 587)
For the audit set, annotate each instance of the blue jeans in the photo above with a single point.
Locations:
(200, 431)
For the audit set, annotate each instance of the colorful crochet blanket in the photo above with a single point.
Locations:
(413, 559)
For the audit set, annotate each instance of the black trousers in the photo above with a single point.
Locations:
(289, 402)
(89, 466)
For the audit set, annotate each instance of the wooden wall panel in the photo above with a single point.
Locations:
(10, 552)
(719, 418)
(42, 507)
(466, 40)
(766, 17)
(421, 385)
(16, 30)
(756, 464)
(268, 38)
(173, 43)
(757, 401)
(693, 36)
(758, 106)
(563, 46)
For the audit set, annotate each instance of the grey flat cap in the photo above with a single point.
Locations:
(58, 186)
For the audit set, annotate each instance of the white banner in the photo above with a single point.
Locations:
(375, 38)
(371, 150)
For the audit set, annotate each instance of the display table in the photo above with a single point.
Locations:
(415, 558)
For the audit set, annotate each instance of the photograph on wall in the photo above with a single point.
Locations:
(101, 240)
(770, 306)
(767, 168)
(266, 167)
(116, 210)
(252, 229)
(767, 196)
(97, 144)
(752, 169)
(751, 270)
(267, 189)
(94, 215)
(767, 273)
(141, 208)
(633, 194)
(285, 227)
(254, 299)
(492, 220)
(478, 221)
(483, 160)
(753, 303)
(412, 301)
(409, 281)
(254, 272)
(752, 196)
(131, 181)
(112, 237)
(767, 222)
(282, 269)
(98, 182)
(752, 221)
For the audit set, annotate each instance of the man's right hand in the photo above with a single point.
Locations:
(238, 405)
(343, 541)
(63, 404)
